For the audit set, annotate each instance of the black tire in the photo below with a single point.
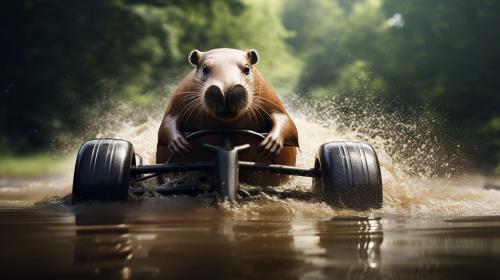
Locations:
(102, 170)
(350, 175)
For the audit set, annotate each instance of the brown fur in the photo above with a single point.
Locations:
(266, 113)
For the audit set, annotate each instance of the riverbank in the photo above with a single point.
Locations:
(34, 165)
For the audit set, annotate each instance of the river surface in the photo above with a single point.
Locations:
(430, 227)
(187, 240)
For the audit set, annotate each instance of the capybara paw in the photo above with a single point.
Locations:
(271, 146)
(179, 146)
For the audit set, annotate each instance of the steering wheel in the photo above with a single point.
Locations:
(205, 132)
(190, 136)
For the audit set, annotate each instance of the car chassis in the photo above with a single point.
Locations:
(346, 174)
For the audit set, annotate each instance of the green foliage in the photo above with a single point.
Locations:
(33, 165)
(492, 132)
(62, 58)
(332, 38)
(451, 49)
(438, 55)
(354, 82)
(264, 31)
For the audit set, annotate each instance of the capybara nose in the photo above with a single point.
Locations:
(236, 97)
(214, 97)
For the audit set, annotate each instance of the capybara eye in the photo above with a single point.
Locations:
(246, 69)
(205, 69)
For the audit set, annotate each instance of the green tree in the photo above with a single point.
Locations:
(60, 58)
(438, 55)
(446, 54)
(333, 37)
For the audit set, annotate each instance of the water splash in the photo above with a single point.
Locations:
(417, 165)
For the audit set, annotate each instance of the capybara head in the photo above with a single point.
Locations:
(224, 78)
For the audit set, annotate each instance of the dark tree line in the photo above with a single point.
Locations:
(60, 57)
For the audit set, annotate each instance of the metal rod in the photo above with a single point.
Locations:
(189, 190)
(244, 165)
(280, 169)
(171, 167)
(147, 177)
(226, 142)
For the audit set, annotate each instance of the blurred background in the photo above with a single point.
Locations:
(66, 65)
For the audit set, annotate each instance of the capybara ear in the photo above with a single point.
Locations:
(194, 57)
(253, 56)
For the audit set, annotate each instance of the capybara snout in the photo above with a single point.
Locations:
(236, 97)
(214, 98)
(226, 104)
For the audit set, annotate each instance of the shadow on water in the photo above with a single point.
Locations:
(125, 245)
(120, 242)
(123, 242)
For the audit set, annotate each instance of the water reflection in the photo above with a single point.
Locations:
(121, 245)
(355, 240)
(115, 243)
(221, 248)
(346, 247)
(103, 244)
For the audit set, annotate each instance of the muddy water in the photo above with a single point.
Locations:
(117, 242)
(430, 227)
